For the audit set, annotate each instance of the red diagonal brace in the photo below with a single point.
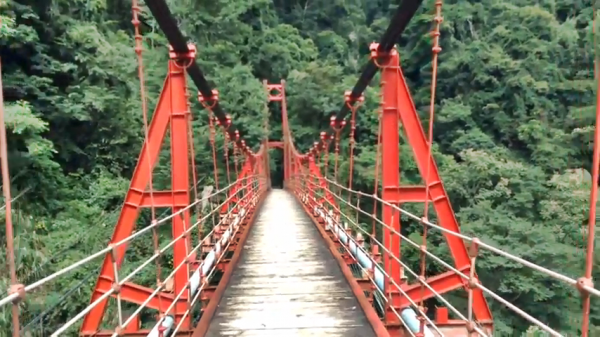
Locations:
(137, 294)
(398, 106)
(171, 110)
(442, 284)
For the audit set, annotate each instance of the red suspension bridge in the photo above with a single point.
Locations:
(290, 262)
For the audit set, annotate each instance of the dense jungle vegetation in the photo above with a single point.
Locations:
(513, 129)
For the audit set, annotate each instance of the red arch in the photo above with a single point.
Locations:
(275, 145)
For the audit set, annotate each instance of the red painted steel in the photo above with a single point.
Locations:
(442, 283)
(137, 333)
(106, 333)
(276, 93)
(441, 315)
(180, 181)
(165, 198)
(136, 294)
(275, 145)
(171, 107)
(403, 194)
(288, 163)
(416, 138)
(390, 151)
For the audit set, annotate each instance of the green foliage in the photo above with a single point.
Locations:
(514, 119)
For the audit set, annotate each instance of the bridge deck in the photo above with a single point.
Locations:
(287, 283)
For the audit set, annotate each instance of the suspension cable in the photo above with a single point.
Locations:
(226, 151)
(353, 108)
(205, 278)
(423, 257)
(213, 148)
(198, 208)
(326, 143)
(212, 134)
(586, 280)
(139, 50)
(337, 155)
(15, 288)
(40, 318)
(376, 181)
(161, 12)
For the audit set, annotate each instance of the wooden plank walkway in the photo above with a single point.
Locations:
(287, 283)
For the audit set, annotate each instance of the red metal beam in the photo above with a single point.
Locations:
(171, 107)
(165, 199)
(274, 144)
(275, 92)
(180, 181)
(404, 194)
(416, 138)
(137, 294)
(390, 152)
(287, 147)
(442, 284)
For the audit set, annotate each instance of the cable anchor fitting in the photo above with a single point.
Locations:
(323, 136)
(351, 100)
(187, 57)
(116, 287)
(226, 124)
(582, 284)
(18, 289)
(210, 102)
(474, 248)
(470, 327)
(120, 331)
(245, 147)
(316, 146)
(376, 54)
(336, 125)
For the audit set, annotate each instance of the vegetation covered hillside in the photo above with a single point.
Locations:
(514, 119)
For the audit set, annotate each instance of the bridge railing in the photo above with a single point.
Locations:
(244, 192)
(317, 196)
